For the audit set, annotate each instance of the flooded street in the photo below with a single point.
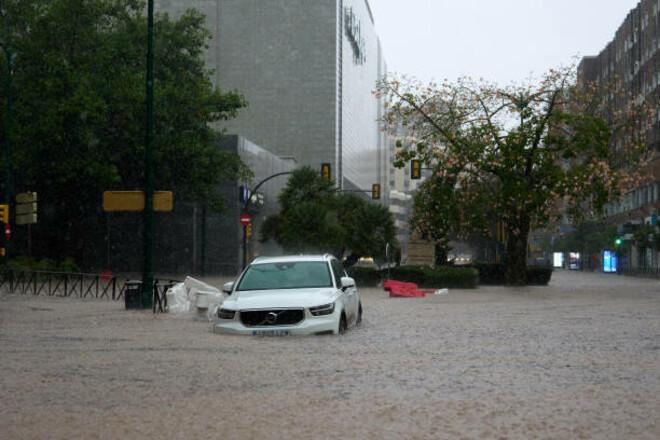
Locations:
(578, 359)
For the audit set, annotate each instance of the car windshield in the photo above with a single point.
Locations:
(286, 275)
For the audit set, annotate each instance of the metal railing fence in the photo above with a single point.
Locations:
(641, 272)
(97, 286)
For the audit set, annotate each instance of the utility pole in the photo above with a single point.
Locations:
(148, 273)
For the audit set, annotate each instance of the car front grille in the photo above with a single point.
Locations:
(273, 317)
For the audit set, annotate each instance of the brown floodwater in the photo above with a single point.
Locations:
(577, 359)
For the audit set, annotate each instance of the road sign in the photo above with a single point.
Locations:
(26, 208)
(134, 201)
(26, 197)
(26, 219)
(246, 219)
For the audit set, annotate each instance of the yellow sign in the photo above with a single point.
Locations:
(134, 201)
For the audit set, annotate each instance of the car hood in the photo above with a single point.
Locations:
(286, 298)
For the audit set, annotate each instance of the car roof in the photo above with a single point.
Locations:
(290, 258)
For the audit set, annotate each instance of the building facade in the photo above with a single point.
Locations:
(307, 69)
(633, 56)
(190, 239)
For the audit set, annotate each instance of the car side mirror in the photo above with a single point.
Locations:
(347, 282)
(228, 287)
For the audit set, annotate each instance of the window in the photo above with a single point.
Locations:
(338, 271)
(286, 275)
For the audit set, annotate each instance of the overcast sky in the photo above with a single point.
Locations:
(498, 40)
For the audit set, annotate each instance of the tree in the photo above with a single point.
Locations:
(511, 154)
(79, 109)
(368, 227)
(307, 221)
(314, 217)
(647, 236)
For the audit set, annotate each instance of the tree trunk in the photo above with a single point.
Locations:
(516, 253)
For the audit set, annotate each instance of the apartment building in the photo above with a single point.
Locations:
(633, 56)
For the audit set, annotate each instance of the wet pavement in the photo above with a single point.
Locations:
(577, 359)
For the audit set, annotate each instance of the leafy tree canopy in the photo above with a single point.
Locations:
(511, 154)
(647, 236)
(78, 104)
(315, 217)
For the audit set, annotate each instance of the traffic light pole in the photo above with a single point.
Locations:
(245, 208)
(8, 146)
(245, 252)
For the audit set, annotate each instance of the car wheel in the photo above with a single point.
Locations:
(342, 325)
(358, 321)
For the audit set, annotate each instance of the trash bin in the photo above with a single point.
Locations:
(133, 294)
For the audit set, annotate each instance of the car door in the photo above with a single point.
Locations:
(349, 296)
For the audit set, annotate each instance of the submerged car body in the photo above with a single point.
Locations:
(290, 295)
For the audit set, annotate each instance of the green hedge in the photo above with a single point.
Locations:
(538, 276)
(365, 276)
(22, 262)
(489, 273)
(423, 276)
(493, 274)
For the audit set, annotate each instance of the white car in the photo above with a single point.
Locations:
(291, 295)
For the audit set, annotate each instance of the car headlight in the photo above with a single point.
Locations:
(226, 314)
(326, 309)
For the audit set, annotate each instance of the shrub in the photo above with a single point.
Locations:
(22, 262)
(365, 276)
(538, 275)
(437, 277)
(451, 276)
(489, 273)
(423, 276)
(493, 274)
(408, 274)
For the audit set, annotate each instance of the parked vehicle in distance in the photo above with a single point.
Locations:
(290, 295)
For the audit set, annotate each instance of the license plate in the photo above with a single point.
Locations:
(271, 332)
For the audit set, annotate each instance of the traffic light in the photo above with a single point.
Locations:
(248, 230)
(325, 171)
(617, 242)
(415, 169)
(375, 191)
(4, 213)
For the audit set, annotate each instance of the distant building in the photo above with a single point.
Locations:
(307, 69)
(634, 57)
